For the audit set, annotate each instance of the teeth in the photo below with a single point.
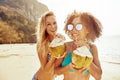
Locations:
(53, 30)
(75, 34)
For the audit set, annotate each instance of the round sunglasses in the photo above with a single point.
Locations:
(77, 27)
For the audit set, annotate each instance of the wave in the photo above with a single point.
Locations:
(113, 62)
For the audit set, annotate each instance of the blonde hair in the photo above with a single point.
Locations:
(43, 41)
(93, 25)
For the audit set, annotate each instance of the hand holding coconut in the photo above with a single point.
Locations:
(81, 57)
(57, 46)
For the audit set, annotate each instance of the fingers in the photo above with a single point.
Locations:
(82, 70)
(60, 36)
(64, 54)
(50, 63)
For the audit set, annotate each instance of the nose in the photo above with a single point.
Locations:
(74, 30)
(53, 26)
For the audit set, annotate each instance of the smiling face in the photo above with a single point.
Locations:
(77, 34)
(51, 25)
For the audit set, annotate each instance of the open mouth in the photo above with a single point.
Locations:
(75, 34)
(53, 30)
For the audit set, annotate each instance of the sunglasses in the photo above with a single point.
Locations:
(77, 27)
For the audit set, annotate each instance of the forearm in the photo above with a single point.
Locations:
(61, 70)
(95, 71)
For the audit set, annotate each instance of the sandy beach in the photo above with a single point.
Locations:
(20, 62)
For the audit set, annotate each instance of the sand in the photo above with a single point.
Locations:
(20, 62)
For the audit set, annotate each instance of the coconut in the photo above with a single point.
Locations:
(57, 47)
(81, 57)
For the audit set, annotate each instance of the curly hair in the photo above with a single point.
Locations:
(93, 25)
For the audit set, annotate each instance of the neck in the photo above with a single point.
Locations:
(80, 43)
(51, 37)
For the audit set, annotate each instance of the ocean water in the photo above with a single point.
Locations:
(109, 49)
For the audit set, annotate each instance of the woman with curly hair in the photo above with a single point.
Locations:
(83, 28)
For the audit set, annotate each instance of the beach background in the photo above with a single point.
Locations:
(20, 61)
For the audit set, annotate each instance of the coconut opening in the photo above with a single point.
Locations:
(57, 42)
(83, 51)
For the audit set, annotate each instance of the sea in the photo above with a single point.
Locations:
(108, 49)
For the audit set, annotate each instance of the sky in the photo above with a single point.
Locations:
(107, 11)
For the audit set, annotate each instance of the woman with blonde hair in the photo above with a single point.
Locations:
(47, 32)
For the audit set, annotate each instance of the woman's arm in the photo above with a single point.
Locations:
(58, 64)
(42, 59)
(61, 70)
(58, 68)
(46, 71)
(95, 67)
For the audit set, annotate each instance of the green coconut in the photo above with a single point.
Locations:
(81, 57)
(57, 47)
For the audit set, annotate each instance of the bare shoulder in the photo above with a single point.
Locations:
(94, 50)
(93, 46)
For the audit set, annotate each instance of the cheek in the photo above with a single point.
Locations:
(55, 27)
(82, 34)
(70, 34)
